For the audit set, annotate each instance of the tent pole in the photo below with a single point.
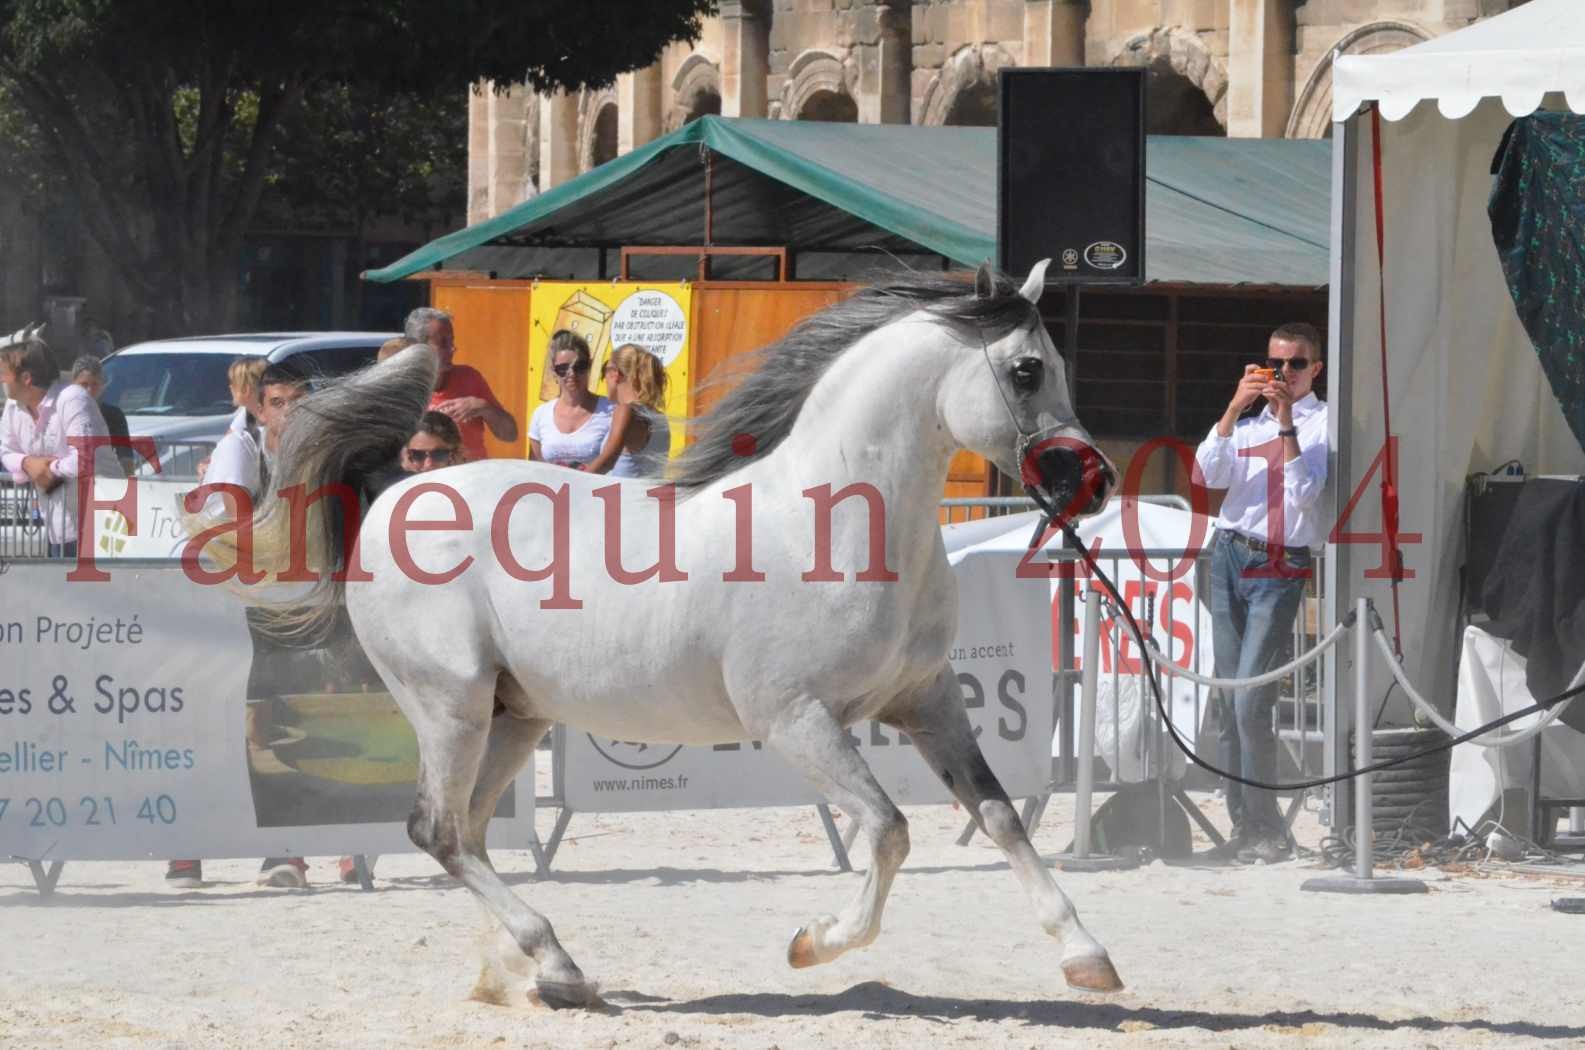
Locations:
(709, 215)
(1340, 583)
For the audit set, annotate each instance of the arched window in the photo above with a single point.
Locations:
(1185, 87)
(696, 92)
(833, 107)
(603, 146)
(964, 92)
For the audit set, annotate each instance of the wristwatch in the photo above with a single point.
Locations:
(1291, 432)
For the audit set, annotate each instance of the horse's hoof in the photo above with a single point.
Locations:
(1092, 974)
(801, 952)
(566, 995)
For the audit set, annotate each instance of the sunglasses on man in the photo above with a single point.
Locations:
(440, 457)
(561, 370)
(1293, 364)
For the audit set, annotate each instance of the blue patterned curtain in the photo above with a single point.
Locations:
(1537, 211)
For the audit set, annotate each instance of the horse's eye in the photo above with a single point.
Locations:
(1027, 374)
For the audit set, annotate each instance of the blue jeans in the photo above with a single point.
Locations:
(61, 550)
(1252, 610)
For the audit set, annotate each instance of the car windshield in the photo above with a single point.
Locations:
(173, 384)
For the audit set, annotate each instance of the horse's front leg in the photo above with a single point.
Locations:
(808, 737)
(939, 726)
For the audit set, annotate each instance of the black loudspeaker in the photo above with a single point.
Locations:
(1070, 179)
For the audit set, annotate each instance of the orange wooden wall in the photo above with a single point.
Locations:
(491, 319)
(732, 319)
(491, 322)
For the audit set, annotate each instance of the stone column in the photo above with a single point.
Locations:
(884, 48)
(508, 168)
(638, 108)
(1054, 32)
(478, 153)
(745, 57)
(558, 139)
(1260, 47)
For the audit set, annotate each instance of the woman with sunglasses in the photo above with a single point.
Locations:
(571, 430)
(436, 443)
(640, 438)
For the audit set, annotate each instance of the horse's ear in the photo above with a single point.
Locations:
(1036, 281)
(984, 281)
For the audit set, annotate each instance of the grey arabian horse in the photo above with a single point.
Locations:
(795, 583)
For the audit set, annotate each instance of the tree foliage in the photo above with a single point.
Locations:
(164, 118)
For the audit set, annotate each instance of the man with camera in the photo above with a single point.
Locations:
(1273, 466)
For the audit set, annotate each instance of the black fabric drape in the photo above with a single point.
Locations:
(1535, 593)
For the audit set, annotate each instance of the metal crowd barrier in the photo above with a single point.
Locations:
(1300, 714)
(21, 527)
(1303, 723)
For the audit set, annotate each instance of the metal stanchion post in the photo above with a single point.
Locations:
(1363, 879)
(1364, 832)
(1086, 772)
(1081, 859)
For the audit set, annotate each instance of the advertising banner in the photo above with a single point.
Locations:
(609, 315)
(1002, 656)
(148, 717)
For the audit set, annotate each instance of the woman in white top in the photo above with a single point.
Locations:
(640, 439)
(571, 430)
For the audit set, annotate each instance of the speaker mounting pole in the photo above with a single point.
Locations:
(1070, 334)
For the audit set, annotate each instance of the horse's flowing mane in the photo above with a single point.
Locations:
(765, 403)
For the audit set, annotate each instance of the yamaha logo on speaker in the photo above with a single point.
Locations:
(1105, 255)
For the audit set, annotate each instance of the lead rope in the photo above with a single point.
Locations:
(1188, 751)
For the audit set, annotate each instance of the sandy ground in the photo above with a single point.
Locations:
(684, 918)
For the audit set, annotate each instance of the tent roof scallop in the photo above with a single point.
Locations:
(1520, 56)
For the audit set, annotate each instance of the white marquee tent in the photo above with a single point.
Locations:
(1467, 390)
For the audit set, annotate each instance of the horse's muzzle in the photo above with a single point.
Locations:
(1070, 478)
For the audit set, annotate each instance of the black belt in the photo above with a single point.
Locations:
(1258, 545)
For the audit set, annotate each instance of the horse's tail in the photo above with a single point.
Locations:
(351, 430)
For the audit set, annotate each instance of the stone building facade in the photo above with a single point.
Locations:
(1254, 68)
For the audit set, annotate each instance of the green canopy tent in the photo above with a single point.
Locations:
(842, 198)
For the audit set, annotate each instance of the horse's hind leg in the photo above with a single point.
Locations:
(512, 741)
(811, 740)
(939, 727)
(454, 740)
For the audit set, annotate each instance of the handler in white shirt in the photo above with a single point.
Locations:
(1260, 559)
(37, 428)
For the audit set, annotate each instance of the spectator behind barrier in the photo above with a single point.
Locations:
(435, 444)
(640, 438)
(571, 430)
(37, 428)
(89, 374)
(460, 391)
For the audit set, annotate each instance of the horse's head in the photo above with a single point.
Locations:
(1008, 400)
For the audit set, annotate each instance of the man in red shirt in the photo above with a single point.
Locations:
(460, 391)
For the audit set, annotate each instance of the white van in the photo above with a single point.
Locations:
(175, 390)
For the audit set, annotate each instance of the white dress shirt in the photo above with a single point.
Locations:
(66, 412)
(235, 461)
(1245, 507)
